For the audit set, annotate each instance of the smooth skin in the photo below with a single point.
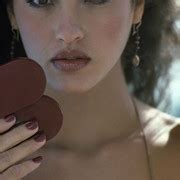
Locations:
(97, 107)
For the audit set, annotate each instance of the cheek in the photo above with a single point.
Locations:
(112, 29)
(33, 33)
(113, 34)
(115, 25)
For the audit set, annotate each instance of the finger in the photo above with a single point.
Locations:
(21, 151)
(17, 135)
(21, 170)
(7, 123)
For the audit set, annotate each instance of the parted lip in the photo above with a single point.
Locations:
(71, 54)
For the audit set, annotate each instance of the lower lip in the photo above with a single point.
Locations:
(70, 65)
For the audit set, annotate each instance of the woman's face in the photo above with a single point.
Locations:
(99, 28)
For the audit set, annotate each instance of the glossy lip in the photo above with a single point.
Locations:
(70, 54)
(70, 65)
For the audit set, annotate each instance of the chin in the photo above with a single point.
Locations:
(74, 90)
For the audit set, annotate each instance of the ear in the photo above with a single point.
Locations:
(138, 11)
(11, 16)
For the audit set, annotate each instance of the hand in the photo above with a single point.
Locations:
(16, 144)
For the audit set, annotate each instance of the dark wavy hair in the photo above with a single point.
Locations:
(158, 39)
(156, 30)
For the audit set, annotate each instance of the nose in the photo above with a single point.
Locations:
(68, 31)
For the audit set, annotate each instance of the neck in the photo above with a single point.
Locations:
(98, 116)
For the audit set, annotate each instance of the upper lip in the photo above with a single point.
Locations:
(71, 54)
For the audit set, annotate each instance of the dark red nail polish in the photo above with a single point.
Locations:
(37, 159)
(10, 118)
(40, 137)
(31, 125)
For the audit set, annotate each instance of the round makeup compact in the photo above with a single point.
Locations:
(23, 83)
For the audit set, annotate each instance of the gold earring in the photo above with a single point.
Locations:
(16, 34)
(15, 38)
(136, 60)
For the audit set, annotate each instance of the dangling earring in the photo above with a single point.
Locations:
(136, 59)
(15, 38)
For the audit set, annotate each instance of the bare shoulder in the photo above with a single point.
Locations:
(162, 132)
(160, 128)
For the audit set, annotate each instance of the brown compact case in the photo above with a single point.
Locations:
(23, 83)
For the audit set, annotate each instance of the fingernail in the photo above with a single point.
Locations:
(10, 118)
(40, 137)
(37, 159)
(32, 124)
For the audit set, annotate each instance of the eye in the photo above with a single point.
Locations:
(96, 2)
(39, 3)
